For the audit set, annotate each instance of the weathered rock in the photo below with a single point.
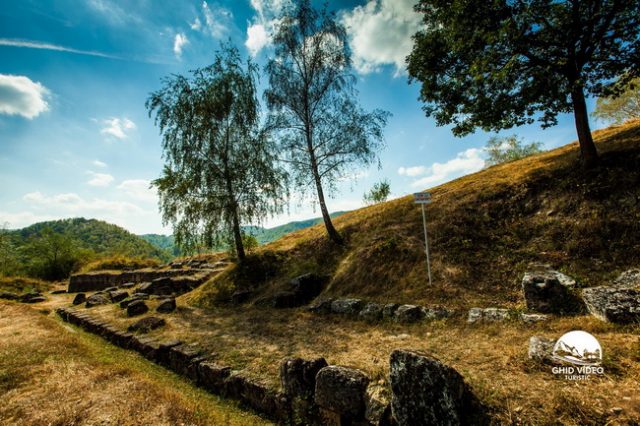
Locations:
(533, 318)
(302, 290)
(118, 295)
(435, 313)
(212, 376)
(487, 315)
(377, 405)
(59, 291)
(128, 285)
(541, 349)
(34, 299)
(181, 356)
(408, 314)
(79, 299)
(346, 306)
(9, 296)
(298, 376)
(146, 324)
(549, 291)
(128, 300)
(389, 310)
(321, 306)
(166, 306)
(137, 307)
(97, 299)
(628, 279)
(371, 312)
(145, 288)
(613, 304)
(110, 289)
(427, 392)
(342, 390)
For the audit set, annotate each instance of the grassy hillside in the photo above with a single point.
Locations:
(31, 250)
(485, 228)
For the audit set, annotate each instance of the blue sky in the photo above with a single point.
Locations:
(75, 137)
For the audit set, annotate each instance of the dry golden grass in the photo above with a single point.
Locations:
(491, 357)
(119, 262)
(52, 374)
(485, 229)
(21, 285)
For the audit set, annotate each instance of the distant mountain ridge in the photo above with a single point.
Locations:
(263, 235)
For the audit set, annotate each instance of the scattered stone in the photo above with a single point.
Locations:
(371, 312)
(145, 288)
(533, 318)
(166, 306)
(9, 296)
(97, 299)
(110, 289)
(346, 306)
(176, 265)
(617, 410)
(138, 296)
(628, 279)
(146, 324)
(118, 295)
(128, 285)
(541, 349)
(548, 291)
(612, 304)
(137, 307)
(341, 390)
(34, 299)
(487, 315)
(407, 314)
(321, 306)
(298, 376)
(59, 291)
(427, 392)
(79, 299)
(389, 310)
(435, 313)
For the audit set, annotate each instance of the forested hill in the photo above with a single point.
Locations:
(93, 235)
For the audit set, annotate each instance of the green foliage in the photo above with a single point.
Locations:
(220, 166)
(53, 249)
(620, 108)
(496, 64)
(322, 131)
(378, 193)
(164, 242)
(509, 148)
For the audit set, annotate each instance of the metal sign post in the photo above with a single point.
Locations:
(423, 198)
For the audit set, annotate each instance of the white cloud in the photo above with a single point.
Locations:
(178, 43)
(216, 20)
(73, 204)
(412, 171)
(380, 33)
(118, 127)
(257, 38)
(261, 29)
(196, 25)
(100, 179)
(19, 95)
(99, 163)
(139, 189)
(465, 162)
(22, 219)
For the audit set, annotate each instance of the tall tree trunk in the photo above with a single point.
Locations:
(588, 151)
(237, 235)
(331, 230)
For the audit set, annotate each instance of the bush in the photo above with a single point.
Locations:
(510, 148)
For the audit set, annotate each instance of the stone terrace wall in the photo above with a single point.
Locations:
(95, 281)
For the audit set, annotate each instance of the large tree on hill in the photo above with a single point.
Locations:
(323, 132)
(495, 64)
(220, 169)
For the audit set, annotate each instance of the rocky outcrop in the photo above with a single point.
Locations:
(426, 392)
(612, 304)
(550, 292)
(341, 390)
(541, 349)
(146, 324)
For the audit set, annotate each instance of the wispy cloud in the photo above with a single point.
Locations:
(178, 43)
(119, 128)
(100, 179)
(49, 46)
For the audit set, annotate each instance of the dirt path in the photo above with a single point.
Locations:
(53, 374)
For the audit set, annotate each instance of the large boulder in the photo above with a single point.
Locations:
(79, 299)
(97, 299)
(427, 392)
(407, 314)
(628, 279)
(146, 324)
(550, 292)
(342, 390)
(298, 376)
(347, 306)
(137, 307)
(166, 306)
(613, 304)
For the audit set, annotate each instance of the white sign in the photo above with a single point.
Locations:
(422, 197)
